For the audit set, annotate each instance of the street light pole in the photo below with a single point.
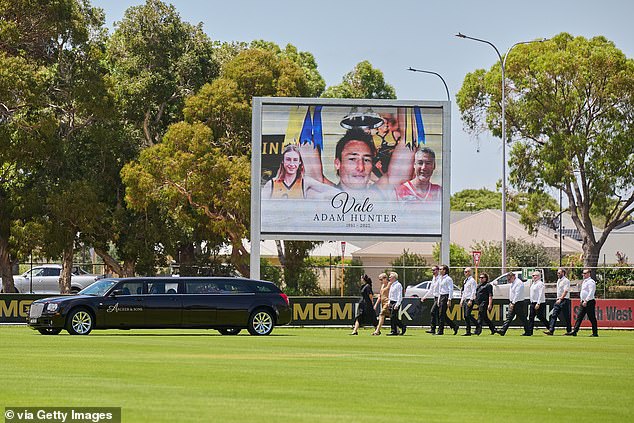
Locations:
(433, 73)
(503, 66)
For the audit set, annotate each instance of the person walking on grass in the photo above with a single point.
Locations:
(467, 300)
(516, 303)
(484, 298)
(537, 306)
(588, 304)
(562, 304)
(433, 292)
(445, 291)
(396, 297)
(365, 310)
(384, 301)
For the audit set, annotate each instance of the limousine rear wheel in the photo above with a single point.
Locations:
(229, 331)
(261, 322)
(80, 322)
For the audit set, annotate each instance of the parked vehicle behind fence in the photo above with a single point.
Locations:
(44, 279)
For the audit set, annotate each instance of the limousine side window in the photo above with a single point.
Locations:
(264, 288)
(131, 288)
(202, 287)
(162, 287)
(233, 287)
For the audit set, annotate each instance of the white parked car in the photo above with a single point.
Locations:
(501, 286)
(45, 279)
(421, 289)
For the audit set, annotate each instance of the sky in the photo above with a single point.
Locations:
(394, 35)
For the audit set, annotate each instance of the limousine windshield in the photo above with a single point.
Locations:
(98, 288)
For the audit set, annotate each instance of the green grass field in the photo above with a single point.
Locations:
(322, 375)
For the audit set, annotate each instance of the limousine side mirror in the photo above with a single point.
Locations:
(117, 292)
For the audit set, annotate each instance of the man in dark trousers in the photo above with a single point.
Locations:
(445, 291)
(537, 307)
(517, 306)
(562, 304)
(396, 297)
(433, 292)
(484, 299)
(588, 304)
(467, 300)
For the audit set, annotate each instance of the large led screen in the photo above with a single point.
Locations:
(350, 170)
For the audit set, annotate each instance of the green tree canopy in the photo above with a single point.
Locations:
(192, 178)
(363, 81)
(476, 199)
(157, 60)
(570, 109)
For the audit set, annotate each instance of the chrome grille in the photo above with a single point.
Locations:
(36, 310)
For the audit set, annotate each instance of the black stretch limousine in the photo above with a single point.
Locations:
(225, 304)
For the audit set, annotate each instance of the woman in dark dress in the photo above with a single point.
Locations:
(365, 311)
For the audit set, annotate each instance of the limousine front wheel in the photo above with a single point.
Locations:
(80, 322)
(261, 322)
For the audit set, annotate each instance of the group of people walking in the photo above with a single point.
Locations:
(480, 294)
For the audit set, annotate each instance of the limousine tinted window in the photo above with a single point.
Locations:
(202, 287)
(261, 287)
(162, 287)
(131, 288)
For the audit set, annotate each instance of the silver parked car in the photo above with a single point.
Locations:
(420, 289)
(44, 279)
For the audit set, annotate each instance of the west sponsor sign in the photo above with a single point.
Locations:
(610, 313)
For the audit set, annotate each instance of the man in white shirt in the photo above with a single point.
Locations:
(433, 292)
(537, 307)
(588, 304)
(396, 297)
(445, 291)
(516, 303)
(562, 304)
(467, 300)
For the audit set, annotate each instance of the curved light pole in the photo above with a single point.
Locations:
(503, 66)
(433, 73)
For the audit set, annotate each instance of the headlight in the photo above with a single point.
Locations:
(51, 307)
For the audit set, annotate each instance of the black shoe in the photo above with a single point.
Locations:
(404, 330)
(478, 331)
(392, 334)
(547, 332)
(455, 330)
(494, 331)
(431, 331)
(466, 334)
(501, 333)
(525, 334)
(570, 333)
(594, 335)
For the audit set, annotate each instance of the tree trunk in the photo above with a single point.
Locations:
(67, 267)
(186, 260)
(129, 268)
(110, 262)
(5, 267)
(282, 258)
(591, 256)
